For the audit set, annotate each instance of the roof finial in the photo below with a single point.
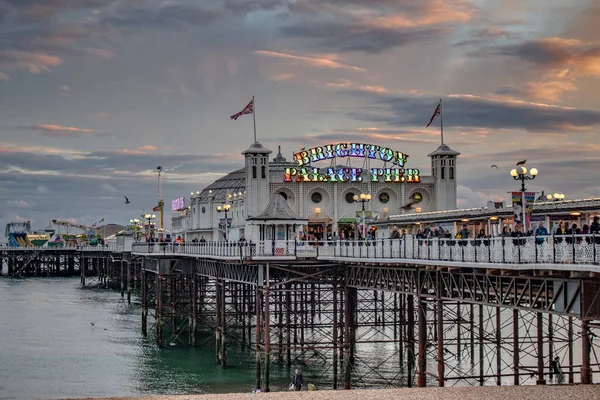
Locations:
(279, 150)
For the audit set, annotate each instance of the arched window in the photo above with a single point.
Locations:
(254, 171)
(263, 170)
(451, 173)
(443, 172)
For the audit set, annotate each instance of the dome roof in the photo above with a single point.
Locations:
(257, 148)
(444, 150)
(233, 182)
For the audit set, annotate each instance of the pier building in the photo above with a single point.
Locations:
(322, 187)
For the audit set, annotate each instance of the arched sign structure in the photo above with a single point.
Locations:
(306, 173)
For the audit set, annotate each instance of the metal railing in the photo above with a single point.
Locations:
(567, 249)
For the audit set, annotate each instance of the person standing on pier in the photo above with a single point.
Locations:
(297, 380)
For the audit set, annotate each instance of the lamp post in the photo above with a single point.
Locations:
(520, 174)
(363, 198)
(556, 197)
(149, 223)
(225, 209)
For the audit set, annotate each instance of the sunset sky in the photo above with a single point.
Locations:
(94, 94)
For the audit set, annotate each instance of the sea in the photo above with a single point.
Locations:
(59, 340)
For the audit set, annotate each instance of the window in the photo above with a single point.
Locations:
(203, 210)
(384, 198)
(443, 172)
(263, 173)
(451, 173)
(254, 171)
(349, 197)
(262, 161)
(417, 197)
(316, 197)
(254, 161)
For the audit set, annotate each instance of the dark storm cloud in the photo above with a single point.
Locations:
(45, 9)
(474, 111)
(345, 36)
(168, 15)
(118, 164)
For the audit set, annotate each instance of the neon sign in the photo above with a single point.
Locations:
(306, 173)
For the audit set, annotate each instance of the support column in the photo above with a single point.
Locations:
(335, 331)
(267, 334)
(440, 330)
(481, 347)
(540, 349)
(223, 324)
(258, 312)
(129, 266)
(193, 309)
(498, 348)
(218, 355)
(158, 311)
(421, 374)
(144, 303)
(347, 343)
(122, 279)
(586, 348)
(410, 333)
(516, 380)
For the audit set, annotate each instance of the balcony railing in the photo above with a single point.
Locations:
(568, 249)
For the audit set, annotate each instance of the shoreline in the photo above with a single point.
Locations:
(546, 392)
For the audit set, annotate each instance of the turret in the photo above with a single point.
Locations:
(443, 169)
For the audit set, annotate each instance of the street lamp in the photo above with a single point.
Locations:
(520, 174)
(363, 198)
(225, 209)
(149, 224)
(556, 197)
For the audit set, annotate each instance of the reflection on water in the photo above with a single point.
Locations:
(50, 349)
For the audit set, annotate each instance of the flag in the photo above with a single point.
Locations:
(94, 225)
(249, 109)
(156, 208)
(101, 221)
(435, 113)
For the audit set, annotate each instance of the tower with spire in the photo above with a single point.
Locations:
(443, 169)
(256, 159)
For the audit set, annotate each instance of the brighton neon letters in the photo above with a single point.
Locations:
(305, 173)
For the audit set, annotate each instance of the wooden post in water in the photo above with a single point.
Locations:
(144, 303)
(223, 324)
(410, 333)
(193, 309)
(267, 333)
(129, 266)
(440, 330)
(159, 311)
(422, 365)
(218, 321)
(83, 267)
(122, 278)
(258, 311)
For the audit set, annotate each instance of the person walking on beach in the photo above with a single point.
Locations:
(555, 364)
(297, 380)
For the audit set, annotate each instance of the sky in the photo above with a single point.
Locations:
(95, 94)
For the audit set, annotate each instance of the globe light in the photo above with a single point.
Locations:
(355, 197)
(523, 170)
(549, 197)
(514, 173)
(533, 171)
(219, 208)
(368, 196)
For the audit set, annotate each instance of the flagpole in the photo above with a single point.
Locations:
(254, 117)
(442, 120)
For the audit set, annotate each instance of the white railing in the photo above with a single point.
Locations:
(113, 247)
(568, 249)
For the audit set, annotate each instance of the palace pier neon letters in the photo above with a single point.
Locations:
(350, 175)
(305, 173)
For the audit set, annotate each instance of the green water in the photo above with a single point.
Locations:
(49, 348)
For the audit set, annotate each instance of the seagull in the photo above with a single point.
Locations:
(126, 200)
(494, 166)
(92, 323)
(522, 162)
(407, 206)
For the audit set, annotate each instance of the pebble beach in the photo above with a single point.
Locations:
(579, 392)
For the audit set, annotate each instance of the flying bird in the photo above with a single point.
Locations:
(522, 162)
(127, 200)
(494, 166)
(407, 206)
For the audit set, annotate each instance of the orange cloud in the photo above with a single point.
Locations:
(35, 61)
(57, 130)
(319, 62)
(139, 150)
(281, 77)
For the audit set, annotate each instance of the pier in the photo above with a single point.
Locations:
(455, 312)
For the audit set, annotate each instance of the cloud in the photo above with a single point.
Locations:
(168, 15)
(320, 62)
(582, 58)
(35, 62)
(281, 77)
(64, 89)
(60, 131)
(4, 77)
(18, 203)
(42, 189)
(470, 111)
(42, 10)
(545, 90)
(467, 197)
